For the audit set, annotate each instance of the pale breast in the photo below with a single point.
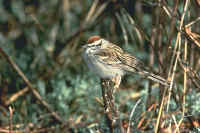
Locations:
(101, 69)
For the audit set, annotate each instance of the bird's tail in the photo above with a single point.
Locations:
(155, 78)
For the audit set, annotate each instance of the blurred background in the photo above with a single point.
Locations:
(45, 39)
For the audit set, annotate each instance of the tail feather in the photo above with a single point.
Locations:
(155, 78)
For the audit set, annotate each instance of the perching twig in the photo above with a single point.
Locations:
(111, 110)
(34, 91)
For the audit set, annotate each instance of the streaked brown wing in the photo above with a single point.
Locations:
(116, 57)
(131, 63)
(127, 60)
(108, 56)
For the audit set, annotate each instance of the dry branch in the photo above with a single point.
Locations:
(15, 96)
(33, 90)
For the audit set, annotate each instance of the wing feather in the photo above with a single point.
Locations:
(133, 64)
(116, 57)
(107, 57)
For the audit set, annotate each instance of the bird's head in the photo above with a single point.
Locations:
(96, 42)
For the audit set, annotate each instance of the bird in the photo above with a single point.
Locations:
(109, 61)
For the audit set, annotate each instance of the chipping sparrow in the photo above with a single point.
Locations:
(109, 61)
